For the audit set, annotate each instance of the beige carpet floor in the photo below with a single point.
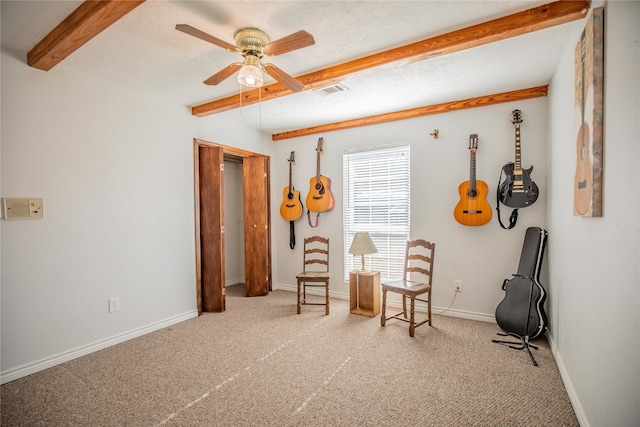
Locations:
(260, 364)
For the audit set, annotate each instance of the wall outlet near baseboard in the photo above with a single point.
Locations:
(458, 285)
(114, 304)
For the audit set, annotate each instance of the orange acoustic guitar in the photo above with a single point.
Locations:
(319, 198)
(473, 209)
(291, 207)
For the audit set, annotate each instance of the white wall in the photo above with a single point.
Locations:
(593, 262)
(233, 223)
(481, 256)
(115, 170)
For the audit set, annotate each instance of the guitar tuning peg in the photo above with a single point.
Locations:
(434, 134)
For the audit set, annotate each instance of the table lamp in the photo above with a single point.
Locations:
(362, 245)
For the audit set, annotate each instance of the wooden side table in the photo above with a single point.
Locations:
(364, 292)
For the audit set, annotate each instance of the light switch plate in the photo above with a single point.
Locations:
(22, 208)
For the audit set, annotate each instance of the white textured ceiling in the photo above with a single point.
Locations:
(145, 52)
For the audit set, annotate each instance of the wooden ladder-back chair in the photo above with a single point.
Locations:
(315, 271)
(418, 259)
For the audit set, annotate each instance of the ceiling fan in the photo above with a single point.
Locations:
(253, 44)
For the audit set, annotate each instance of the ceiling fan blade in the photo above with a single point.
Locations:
(284, 78)
(188, 29)
(223, 74)
(291, 42)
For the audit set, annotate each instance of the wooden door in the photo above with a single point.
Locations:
(257, 238)
(211, 289)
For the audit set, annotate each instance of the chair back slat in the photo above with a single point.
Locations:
(419, 259)
(316, 253)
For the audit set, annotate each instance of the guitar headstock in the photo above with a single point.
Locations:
(292, 158)
(473, 142)
(320, 147)
(516, 117)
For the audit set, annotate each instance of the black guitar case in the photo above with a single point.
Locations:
(521, 312)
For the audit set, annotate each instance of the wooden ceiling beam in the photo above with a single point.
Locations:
(83, 24)
(531, 20)
(482, 101)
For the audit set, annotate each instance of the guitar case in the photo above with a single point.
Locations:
(521, 312)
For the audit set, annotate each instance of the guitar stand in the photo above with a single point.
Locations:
(524, 340)
(523, 344)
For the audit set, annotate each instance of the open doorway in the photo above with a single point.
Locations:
(210, 202)
(233, 224)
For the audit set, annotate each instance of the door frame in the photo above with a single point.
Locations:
(234, 154)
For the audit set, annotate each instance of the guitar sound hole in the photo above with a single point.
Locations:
(290, 196)
(472, 194)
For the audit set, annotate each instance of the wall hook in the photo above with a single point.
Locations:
(434, 134)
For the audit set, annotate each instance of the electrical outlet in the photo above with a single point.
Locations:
(114, 304)
(458, 285)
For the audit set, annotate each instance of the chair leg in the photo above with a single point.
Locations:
(404, 305)
(298, 296)
(429, 306)
(383, 318)
(412, 325)
(327, 298)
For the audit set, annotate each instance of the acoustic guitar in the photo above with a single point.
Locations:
(291, 207)
(320, 198)
(583, 181)
(473, 208)
(518, 189)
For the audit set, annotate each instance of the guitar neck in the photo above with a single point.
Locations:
(518, 164)
(290, 184)
(472, 170)
(319, 149)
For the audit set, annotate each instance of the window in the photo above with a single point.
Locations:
(377, 200)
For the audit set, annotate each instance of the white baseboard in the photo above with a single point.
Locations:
(568, 385)
(397, 303)
(31, 368)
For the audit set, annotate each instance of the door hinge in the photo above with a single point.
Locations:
(221, 166)
(224, 291)
(222, 229)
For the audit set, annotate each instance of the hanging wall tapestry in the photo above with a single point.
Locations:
(589, 92)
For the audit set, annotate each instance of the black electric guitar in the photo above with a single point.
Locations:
(518, 189)
(291, 207)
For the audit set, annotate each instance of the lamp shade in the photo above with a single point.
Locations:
(250, 76)
(362, 244)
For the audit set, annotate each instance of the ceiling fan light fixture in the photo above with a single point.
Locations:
(250, 76)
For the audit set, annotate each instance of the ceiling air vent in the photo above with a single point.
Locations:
(329, 90)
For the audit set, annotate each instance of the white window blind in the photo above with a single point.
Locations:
(377, 200)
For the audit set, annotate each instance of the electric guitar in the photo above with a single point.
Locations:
(518, 189)
(319, 198)
(291, 207)
(473, 208)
